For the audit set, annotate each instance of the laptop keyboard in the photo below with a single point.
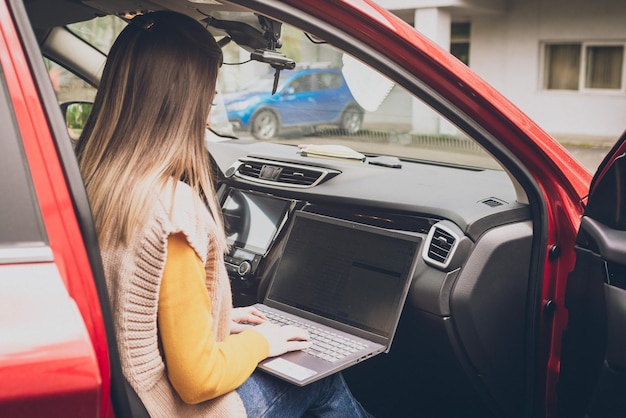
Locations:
(326, 345)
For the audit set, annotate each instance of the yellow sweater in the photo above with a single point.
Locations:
(199, 367)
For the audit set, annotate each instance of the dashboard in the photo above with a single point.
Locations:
(464, 317)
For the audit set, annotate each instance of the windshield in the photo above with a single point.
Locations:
(333, 99)
(262, 84)
(329, 98)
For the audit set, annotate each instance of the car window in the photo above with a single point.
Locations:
(68, 86)
(22, 225)
(304, 83)
(100, 32)
(366, 112)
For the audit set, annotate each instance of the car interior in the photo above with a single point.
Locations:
(465, 337)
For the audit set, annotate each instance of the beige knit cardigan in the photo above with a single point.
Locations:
(133, 274)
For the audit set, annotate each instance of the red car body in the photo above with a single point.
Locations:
(54, 359)
(58, 365)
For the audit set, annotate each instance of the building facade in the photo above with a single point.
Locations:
(563, 62)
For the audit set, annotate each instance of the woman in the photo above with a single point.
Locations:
(183, 348)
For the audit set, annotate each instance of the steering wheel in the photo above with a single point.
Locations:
(239, 212)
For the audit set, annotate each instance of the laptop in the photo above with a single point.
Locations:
(346, 283)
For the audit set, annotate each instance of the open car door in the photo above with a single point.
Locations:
(592, 380)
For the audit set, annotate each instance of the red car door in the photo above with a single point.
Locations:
(592, 380)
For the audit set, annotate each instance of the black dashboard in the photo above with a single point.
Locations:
(465, 312)
(474, 199)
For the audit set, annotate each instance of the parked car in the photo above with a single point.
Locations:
(303, 99)
(516, 307)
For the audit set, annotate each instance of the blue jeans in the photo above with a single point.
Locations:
(266, 396)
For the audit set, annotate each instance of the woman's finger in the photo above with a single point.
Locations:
(294, 333)
(298, 345)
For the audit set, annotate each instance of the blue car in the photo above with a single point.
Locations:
(304, 99)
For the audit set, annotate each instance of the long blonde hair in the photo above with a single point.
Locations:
(148, 121)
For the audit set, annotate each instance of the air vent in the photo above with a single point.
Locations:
(299, 176)
(492, 202)
(440, 245)
(281, 173)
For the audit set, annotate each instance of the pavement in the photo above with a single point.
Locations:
(590, 151)
(590, 157)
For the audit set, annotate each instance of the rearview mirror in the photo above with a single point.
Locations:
(76, 115)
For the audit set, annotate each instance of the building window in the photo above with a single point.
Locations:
(460, 41)
(604, 67)
(562, 67)
(583, 66)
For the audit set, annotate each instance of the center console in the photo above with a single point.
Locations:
(253, 221)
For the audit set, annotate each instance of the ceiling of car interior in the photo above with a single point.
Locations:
(227, 19)
(49, 13)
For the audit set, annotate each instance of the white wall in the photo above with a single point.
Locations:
(505, 49)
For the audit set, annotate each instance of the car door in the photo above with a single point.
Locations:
(332, 97)
(297, 101)
(50, 340)
(592, 380)
(319, 98)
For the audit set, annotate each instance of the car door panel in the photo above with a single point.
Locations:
(611, 246)
(611, 243)
(593, 362)
(616, 312)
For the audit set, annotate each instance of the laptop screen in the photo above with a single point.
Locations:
(346, 272)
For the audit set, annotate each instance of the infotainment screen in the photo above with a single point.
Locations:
(252, 220)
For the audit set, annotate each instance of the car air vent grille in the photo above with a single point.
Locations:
(280, 173)
(440, 245)
(492, 202)
(249, 170)
(299, 176)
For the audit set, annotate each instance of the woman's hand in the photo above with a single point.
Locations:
(245, 318)
(283, 339)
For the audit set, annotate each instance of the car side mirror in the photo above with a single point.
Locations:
(289, 90)
(76, 115)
